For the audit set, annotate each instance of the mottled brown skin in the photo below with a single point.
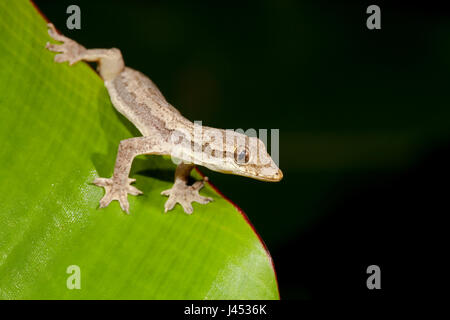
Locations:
(165, 132)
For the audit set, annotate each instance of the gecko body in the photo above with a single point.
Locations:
(165, 131)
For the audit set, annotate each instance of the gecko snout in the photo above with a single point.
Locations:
(274, 177)
(279, 175)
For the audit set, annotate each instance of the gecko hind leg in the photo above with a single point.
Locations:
(183, 193)
(110, 61)
(69, 50)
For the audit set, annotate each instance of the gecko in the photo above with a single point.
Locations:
(165, 131)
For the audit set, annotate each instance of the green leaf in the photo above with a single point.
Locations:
(58, 131)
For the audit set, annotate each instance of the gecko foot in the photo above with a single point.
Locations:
(70, 50)
(116, 191)
(184, 194)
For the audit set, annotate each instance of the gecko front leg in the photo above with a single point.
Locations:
(118, 186)
(182, 193)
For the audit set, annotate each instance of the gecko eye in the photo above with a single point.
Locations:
(241, 155)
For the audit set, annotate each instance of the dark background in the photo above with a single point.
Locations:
(363, 115)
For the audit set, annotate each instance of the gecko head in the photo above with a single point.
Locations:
(246, 156)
